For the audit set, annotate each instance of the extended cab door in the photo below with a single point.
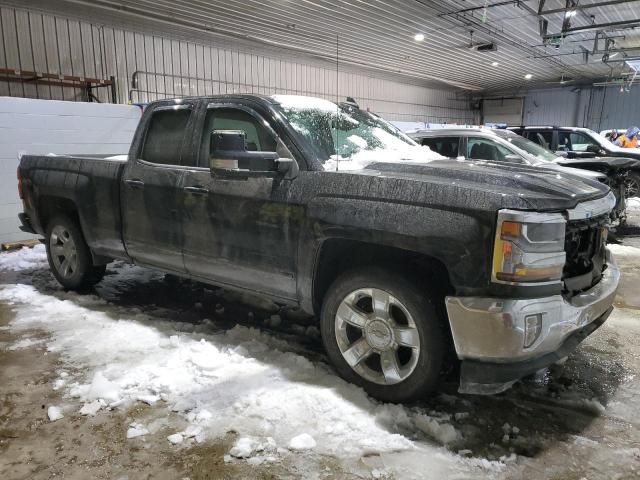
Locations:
(240, 231)
(151, 191)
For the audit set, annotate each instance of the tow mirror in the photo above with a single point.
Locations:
(228, 156)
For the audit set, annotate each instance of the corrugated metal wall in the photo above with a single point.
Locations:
(150, 66)
(597, 108)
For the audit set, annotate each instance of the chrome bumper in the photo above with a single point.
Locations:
(492, 329)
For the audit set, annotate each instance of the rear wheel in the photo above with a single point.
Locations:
(383, 333)
(69, 255)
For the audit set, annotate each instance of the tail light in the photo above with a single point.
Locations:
(20, 191)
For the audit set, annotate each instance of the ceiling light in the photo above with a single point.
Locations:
(494, 64)
(418, 37)
(570, 13)
(528, 76)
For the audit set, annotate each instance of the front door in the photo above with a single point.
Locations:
(241, 231)
(151, 191)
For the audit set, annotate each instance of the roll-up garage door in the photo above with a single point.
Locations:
(502, 110)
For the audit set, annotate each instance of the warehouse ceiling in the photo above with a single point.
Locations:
(537, 43)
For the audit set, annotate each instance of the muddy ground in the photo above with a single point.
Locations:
(578, 422)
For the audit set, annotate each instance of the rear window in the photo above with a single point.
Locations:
(445, 146)
(165, 136)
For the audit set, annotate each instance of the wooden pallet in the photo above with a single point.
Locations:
(9, 246)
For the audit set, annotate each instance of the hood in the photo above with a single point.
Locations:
(614, 163)
(559, 165)
(517, 186)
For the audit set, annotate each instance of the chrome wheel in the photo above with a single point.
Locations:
(377, 336)
(64, 253)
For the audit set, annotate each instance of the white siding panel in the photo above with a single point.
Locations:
(44, 126)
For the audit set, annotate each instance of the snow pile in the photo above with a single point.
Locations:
(54, 413)
(623, 250)
(633, 203)
(136, 430)
(24, 259)
(26, 343)
(304, 441)
(241, 380)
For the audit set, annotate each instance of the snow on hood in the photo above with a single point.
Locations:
(364, 158)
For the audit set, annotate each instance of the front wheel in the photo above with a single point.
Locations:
(632, 185)
(69, 255)
(384, 334)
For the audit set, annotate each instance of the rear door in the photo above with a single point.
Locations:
(240, 231)
(151, 190)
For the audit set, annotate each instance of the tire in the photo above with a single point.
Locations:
(69, 255)
(632, 184)
(411, 372)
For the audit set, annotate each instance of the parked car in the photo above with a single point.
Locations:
(580, 144)
(499, 145)
(412, 262)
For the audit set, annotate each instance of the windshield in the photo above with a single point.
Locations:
(345, 137)
(532, 148)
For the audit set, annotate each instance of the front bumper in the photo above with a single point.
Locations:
(489, 333)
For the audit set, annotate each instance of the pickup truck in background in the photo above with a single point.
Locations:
(413, 263)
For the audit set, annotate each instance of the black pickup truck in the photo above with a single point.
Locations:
(412, 262)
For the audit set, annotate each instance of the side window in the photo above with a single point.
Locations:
(485, 149)
(544, 139)
(259, 139)
(445, 146)
(574, 142)
(165, 136)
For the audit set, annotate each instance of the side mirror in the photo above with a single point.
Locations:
(228, 156)
(513, 158)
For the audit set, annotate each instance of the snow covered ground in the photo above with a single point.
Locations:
(141, 340)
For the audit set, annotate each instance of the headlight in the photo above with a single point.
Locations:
(528, 248)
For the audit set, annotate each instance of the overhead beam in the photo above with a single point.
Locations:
(600, 26)
(585, 6)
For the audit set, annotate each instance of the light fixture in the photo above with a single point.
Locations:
(494, 64)
(528, 76)
(418, 37)
(570, 13)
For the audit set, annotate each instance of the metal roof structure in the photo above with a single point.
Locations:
(475, 45)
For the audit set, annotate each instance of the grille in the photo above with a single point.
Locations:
(585, 249)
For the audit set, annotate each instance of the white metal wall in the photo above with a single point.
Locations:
(41, 127)
(170, 66)
(598, 108)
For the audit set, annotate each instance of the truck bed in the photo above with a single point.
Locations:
(91, 183)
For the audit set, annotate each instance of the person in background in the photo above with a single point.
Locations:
(612, 136)
(629, 139)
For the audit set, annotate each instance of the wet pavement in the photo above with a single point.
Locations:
(578, 421)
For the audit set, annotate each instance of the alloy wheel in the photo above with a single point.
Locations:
(377, 336)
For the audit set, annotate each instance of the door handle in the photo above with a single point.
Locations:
(134, 183)
(197, 190)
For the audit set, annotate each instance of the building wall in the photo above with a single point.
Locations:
(597, 108)
(41, 127)
(169, 66)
